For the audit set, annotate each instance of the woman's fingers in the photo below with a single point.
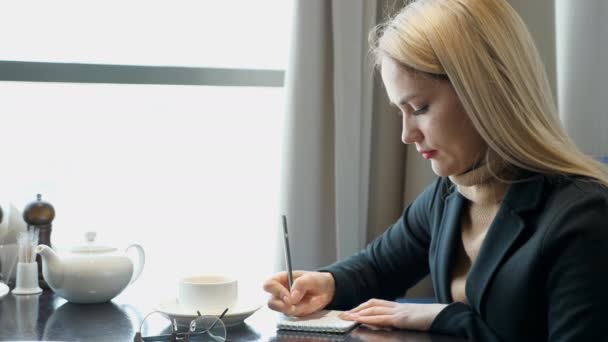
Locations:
(375, 311)
(377, 321)
(303, 285)
(302, 309)
(277, 290)
(373, 303)
(308, 305)
(375, 316)
(310, 292)
(371, 311)
(298, 301)
(280, 306)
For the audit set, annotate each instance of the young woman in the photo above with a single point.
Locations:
(514, 232)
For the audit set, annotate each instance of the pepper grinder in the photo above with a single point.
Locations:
(40, 214)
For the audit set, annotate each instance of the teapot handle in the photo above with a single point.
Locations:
(139, 266)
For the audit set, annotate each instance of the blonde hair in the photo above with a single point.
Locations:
(488, 55)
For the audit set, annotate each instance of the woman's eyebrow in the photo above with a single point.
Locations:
(404, 100)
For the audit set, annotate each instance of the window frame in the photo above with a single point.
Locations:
(137, 74)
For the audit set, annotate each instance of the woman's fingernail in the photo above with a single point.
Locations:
(295, 294)
(286, 300)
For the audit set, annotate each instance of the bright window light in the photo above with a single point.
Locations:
(208, 33)
(189, 172)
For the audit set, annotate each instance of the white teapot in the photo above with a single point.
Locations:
(90, 273)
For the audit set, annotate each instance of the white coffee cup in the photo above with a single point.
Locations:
(209, 294)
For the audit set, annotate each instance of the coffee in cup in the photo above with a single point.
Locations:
(209, 294)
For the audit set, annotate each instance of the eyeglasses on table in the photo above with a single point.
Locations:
(206, 328)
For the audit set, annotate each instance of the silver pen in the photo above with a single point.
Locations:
(287, 253)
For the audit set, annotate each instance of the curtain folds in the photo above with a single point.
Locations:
(329, 117)
(582, 52)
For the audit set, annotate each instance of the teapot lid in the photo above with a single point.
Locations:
(91, 246)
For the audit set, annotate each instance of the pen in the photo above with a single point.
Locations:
(287, 254)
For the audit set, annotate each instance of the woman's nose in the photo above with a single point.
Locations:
(410, 133)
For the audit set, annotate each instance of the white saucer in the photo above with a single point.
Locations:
(233, 317)
(4, 290)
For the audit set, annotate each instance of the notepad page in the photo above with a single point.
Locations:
(321, 321)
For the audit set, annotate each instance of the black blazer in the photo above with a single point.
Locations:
(540, 275)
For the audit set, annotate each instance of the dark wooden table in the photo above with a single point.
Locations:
(48, 317)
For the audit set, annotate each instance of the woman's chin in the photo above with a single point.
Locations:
(438, 170)
(442, 171)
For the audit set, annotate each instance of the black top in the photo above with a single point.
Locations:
(540, 273)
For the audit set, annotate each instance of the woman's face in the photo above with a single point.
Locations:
(433, 119)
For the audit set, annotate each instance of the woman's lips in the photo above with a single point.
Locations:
(428, 154)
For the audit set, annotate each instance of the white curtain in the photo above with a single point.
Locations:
(326, 162)
(582, 54)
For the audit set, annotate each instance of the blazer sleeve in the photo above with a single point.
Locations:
(575, 259)
(391, 263)
(461, 320)
(576, 253)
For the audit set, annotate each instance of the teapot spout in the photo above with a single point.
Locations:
(52, 269)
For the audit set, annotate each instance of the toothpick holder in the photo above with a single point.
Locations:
(27, 279)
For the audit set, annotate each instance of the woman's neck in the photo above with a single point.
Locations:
(480, 185)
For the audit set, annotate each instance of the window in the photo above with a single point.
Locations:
(156, 123)
(202, 33)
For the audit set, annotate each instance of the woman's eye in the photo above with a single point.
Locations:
(422, 110)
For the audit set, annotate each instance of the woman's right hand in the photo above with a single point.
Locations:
(310, 292)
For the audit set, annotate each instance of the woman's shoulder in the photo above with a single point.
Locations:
(575, 188)
(551, 194)
(574, 208)
(570, 202)
(552, 188)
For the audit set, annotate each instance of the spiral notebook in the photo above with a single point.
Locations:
(310, 336)
(324, 321)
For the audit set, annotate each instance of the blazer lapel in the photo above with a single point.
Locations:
(449, 231)
(502, 233)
